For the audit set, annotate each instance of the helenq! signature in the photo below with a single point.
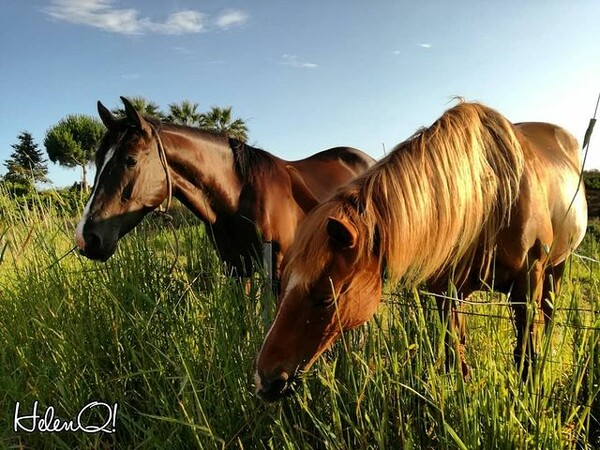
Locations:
(46, 422)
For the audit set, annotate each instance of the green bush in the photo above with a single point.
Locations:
(591, 179)
(65, 202)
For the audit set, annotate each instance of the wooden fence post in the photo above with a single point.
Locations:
(267, 294)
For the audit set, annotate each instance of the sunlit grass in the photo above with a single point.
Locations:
(174, 346)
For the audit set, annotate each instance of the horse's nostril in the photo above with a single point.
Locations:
(274, 389)
(278, 385)
(92, 240)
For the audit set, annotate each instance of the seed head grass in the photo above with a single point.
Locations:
(174, 346)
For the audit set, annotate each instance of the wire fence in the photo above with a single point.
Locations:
(398, 300)
(588, 399)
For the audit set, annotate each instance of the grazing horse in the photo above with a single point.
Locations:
(243, 194)
(470, 203)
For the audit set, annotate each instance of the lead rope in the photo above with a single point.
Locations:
(163, 160)
(160, 211)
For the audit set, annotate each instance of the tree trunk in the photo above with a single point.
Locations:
(84, 185)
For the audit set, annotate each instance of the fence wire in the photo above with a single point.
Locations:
(398, 299)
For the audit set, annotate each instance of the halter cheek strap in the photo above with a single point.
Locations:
(163, 160)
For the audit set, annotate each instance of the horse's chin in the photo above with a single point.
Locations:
(101, 255)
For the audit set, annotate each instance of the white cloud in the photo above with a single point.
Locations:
(293, 61)
(107, 16)
(97, 13)
(424, 45)
(182, 22)
(231, 18)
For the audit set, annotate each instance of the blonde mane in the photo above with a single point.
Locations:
(435, 203)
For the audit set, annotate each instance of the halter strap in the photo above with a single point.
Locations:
(163, 160)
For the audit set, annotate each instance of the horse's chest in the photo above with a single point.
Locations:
(237, 241)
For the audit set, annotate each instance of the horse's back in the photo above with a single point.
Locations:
(354, 158)
(555, 163)
(553, 143)
(325, 171)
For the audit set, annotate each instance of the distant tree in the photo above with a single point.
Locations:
(73, 141)
(591, 178)
(184, 113)
(146, 107)
(220, 120)
(26, 165)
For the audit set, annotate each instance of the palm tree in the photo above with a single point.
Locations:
(146, 107)
(219, 120)
(184, 113)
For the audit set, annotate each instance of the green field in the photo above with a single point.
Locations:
(159, 331)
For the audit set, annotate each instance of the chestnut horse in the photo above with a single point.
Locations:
(243, 194)
(470, 203)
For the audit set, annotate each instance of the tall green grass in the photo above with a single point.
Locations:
(174, 346)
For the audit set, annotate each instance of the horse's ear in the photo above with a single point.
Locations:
(134, 117)
(106, 116)
(342, 233)
(303, 195)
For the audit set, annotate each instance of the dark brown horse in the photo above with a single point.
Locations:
(472, 202)
(243, 194)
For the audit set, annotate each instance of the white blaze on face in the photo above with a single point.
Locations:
(293, 281)
(79, 230)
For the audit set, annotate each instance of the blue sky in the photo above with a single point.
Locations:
(304, 75)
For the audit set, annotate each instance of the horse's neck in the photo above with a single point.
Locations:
(204, 175)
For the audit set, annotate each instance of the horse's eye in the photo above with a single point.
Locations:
(130, 161)
(324, 301)
(126, 194)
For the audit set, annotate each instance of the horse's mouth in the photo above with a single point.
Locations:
(275, 390)
(275, 395)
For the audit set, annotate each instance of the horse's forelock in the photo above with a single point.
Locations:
(309, 254)
(312, 252)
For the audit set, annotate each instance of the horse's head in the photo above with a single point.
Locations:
(131, 180)
(331, 282)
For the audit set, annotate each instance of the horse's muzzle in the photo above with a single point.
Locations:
(95, 248)
(272, 389)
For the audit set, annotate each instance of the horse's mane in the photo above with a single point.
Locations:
(251, 163)
(434, 203)
(216, 136)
